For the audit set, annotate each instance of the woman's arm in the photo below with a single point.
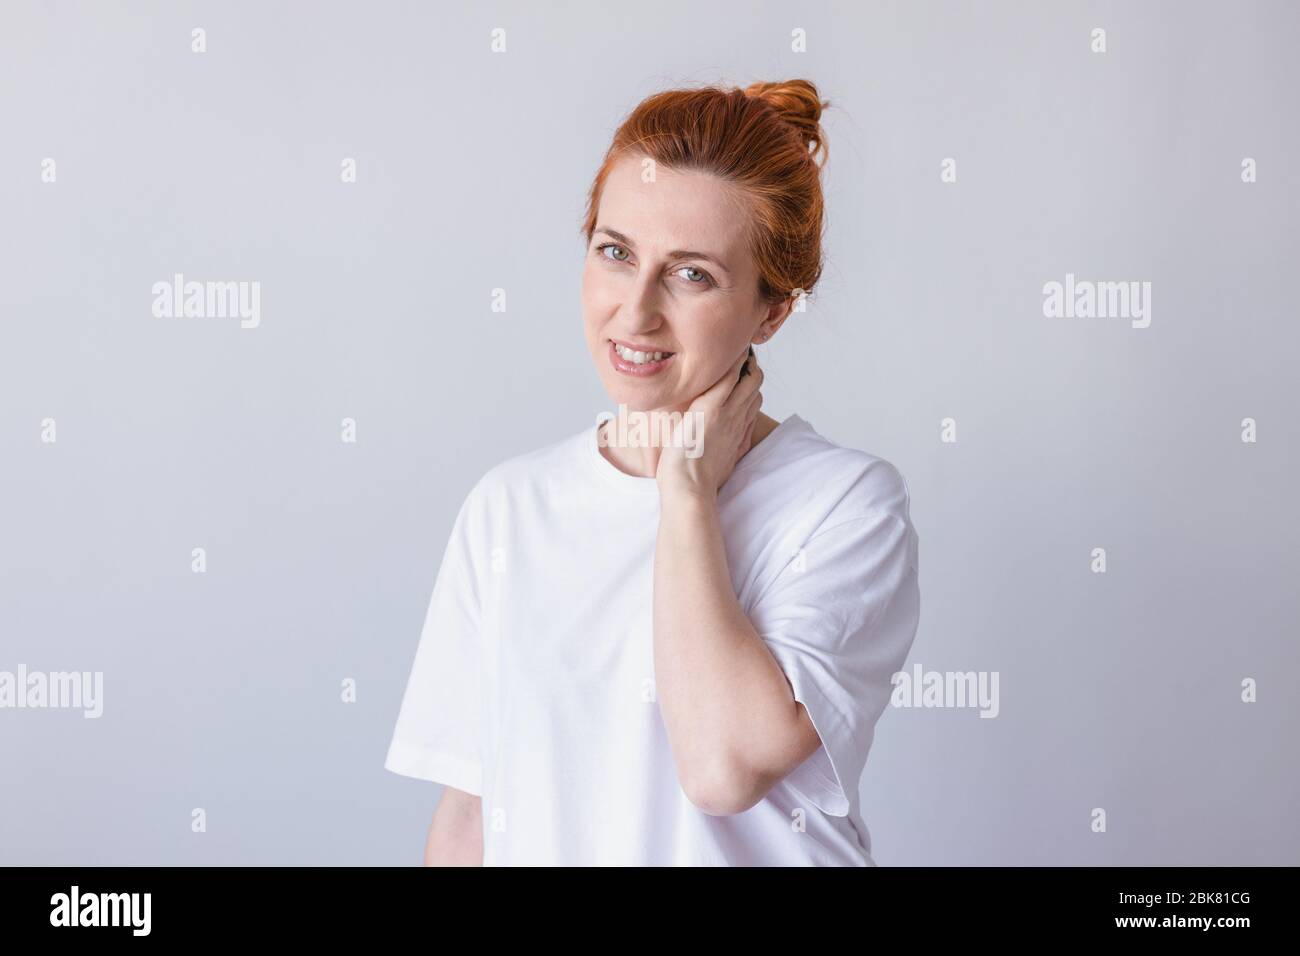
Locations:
(456, 833)
(732, 720)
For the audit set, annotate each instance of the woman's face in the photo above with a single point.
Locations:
(668, 270)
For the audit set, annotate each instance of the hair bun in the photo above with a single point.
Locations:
(799, 105)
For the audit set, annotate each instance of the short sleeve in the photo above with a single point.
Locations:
(437, 735)
(840, 619)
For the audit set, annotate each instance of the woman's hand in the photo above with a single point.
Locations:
(724, 427)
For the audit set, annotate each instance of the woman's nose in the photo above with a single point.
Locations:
(642, 308)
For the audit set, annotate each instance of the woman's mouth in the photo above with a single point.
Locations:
(633, 361)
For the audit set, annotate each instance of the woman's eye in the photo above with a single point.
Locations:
(692, 275)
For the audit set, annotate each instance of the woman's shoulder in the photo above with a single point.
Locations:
(851, 482)
(528, 470)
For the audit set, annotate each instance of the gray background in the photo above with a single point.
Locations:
(1119, 690)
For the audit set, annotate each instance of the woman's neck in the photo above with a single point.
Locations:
(643, 461)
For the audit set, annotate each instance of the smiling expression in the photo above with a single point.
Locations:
(670, 296)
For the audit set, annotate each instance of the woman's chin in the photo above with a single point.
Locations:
(637, 399)
(633, 403)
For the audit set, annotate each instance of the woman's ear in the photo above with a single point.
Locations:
(776, 315)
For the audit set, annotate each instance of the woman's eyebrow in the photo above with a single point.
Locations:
(674, 254)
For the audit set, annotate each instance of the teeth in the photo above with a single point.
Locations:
(639, 358)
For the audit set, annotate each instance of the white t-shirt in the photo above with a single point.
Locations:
(533, 682)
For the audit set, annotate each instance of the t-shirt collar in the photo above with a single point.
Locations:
(648, 487)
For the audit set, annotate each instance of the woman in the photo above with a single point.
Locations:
(671, 647)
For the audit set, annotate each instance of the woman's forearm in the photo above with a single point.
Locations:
(456, 832)
(730, 713)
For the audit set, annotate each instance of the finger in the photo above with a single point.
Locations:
(717, 394)
(747, 439)
(748, 385)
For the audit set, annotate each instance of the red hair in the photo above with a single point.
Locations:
(765, 138)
